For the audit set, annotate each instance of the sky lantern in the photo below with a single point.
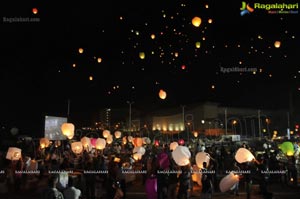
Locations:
(86, 142)
(198, 44)
(13, 153)
(181, 155)
(277, 44)
(109, 139)
(153, 36)
(162, 94)
(137, 142)
(243, 155)
(139, 149)
(183, 67)
(100, 143)
(91, 78)
(34, 11)
(287, 148)
(99, 60)
(80, 50)
(173, 146)
(142, 55)
(106, 133)
(77, 147)
(196, 21)
(210, 20)
(202, 157)
(118, 134)
(181, 141)
(228, 182)
(67, 129)
(93, 142)
(44, 143)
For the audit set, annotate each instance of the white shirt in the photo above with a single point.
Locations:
(72, 193)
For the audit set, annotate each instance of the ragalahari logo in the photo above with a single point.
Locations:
(245, 9)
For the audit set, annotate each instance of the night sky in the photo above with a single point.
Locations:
(41, 67)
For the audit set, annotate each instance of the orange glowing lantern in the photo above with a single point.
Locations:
(118, 134)
(77, 147)
(99, 60)
(100, 143)
(173, 146)
(153, 36)
(44, 143)
(80, 50)
(277, 44)
(137, 142)
(13, 153)
(142, 55)
(196, 21)
(67, 129)
(109, 139)
(210, 20)
(162, 94)
(228, 182)
(198, 44)
(34, 11)
(86, 142)
(106, 133)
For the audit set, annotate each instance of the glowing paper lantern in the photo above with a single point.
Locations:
(198, 44)
(142, 55)
(44, 142)
(162, 94)
(124, 140)
(80, 50)
(287, 148)
(181, 141)
(93, 142)
(173, 146)
(137, 156)
(196, 21)
(210, 20)
(228, 181)
(156, 142)
(13, 153)
(139, 149)
(181, 155)
(202, 157)
(153, 36)
(118, 134)
(138, 141)
(106, 133)
(99, 60)
(68, 130)
(77, 147)
(109, 139)
(195, 134)
(86, 142)
(130, 138)
(34, 11)
(243, 155)
(277, 44)
(100, 143)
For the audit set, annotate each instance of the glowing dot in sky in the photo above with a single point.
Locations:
(99, 60)
(270, 75)
(206, 6)
(137, 32)
(74, 65)
(162, 94)
(210, 20)
(196, 21)
(213, 87)
(142, 55)
(198, 44)
(80, 50)
(176, 54)
(121, 18)
(153, 36)
(277, 44)
(91, 78)
(34, 11)
(183, 67)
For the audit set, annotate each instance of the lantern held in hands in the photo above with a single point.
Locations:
(44, 143)
(181, 155)
(13, 153)
(77, 147)
(67, 129)
(100, 143)
(228, 182)
(202, 157)
(243, 155)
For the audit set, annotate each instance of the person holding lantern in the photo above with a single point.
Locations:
(206, 180)
(184, 182)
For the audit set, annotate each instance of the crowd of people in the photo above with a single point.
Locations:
(162, 179)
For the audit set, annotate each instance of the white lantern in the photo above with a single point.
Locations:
(137, 156)
(44, 142)
(109, 139)
(173, 146)
(124, 140)
(106, 133)
(146, 140)
(68, 130)
(118, 134)
(243, 155)
(202, 157)
(228, 181)
(13, 153)
(139, 149)
(181, 155)
(130, 138)
(100, 143)
(86, 142)
(77, 147)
